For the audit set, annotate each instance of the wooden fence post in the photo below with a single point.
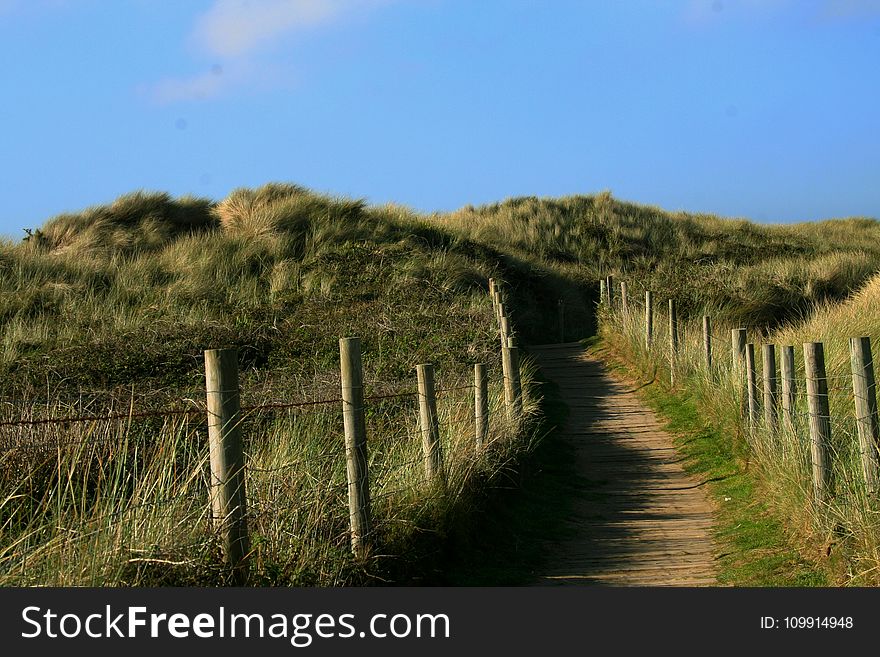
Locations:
(789, 388)
(865, 393)
(649, 319)
(506, 375)
(481, 406)
(561, 313)
(357, 474)
(624, 298)
(516, 401)
(506, 331)
(707, 342)
(493, 297)
(673, 340)
(770, 387)
(752, 384)
(738, 365)
(820, 418)
(227, 490)
(603, 291)
(609, 290)
(429, 424)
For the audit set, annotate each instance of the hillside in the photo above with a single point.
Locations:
(109, 310)
(279, 272)
(753, 273)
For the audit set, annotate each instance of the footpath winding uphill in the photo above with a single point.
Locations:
(640, 520)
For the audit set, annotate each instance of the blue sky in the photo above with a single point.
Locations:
(767, 109)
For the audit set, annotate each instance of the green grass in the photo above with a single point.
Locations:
(755, 549)
(112, 307)
(757, 274)
(840, 533)
(504, 542)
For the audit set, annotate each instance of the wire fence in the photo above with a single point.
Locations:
(133, 464)
(827, 417)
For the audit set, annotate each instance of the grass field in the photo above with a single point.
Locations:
(838, 535)
(109, 310)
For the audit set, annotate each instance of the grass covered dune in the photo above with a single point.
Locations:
(762, 274)
(109, 310)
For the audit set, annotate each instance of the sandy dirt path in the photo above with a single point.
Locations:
(641, 520)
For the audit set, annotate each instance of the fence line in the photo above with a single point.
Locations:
(773, 397)
(230, 464)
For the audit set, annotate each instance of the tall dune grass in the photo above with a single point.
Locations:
(125, 502)
(122, 299)
(842, 531)
(111, 309)
(762, 273)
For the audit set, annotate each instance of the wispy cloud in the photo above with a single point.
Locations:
(196, 87)
(238, 34)
(233, 28)
(219, 81)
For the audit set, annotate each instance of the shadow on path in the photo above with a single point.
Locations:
(635, 518)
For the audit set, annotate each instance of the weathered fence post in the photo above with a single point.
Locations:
(227, 490)
(561, 314)
(707, 342)
(429, 424)
(513, 391)
(865, 393)
(789, 388)
(499, 303)
(752, 384)
(820, 417)
(492, 296)
(738, 365)
(770, 387)
(624, 298)
(673, 340)
(603, 285)
(481, 405)
(506, 376)
(357, 474)
(609, 290)
(505, 330)
(649, 319)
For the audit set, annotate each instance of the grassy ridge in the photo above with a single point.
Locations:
(752, 273)
(110, 309)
